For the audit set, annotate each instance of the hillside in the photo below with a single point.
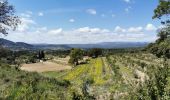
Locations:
(18, 46)
(15, 45)
(84, 50)
(110, 45)
(51, 47)
(20, 85)
(106, 45)
(122, 76)
(160, 48)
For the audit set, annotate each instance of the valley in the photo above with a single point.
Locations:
(85, 50)
(111, 77)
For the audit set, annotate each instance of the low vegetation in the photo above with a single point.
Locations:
(97, 74)
(161, 47)
(112, 77)
(16, 85)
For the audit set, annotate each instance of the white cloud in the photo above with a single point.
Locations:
(25, 24)
(91, 11)
(72, 20)
(55, 31)
(150, 27)
(118, 29)
(40, 14)
(83, 30)
(41, 29)
(135, 30)
(127, 1)
(91, 30)
(26, 21)
(27, 14)
(80, 35)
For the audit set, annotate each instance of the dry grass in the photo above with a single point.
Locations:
(44, 67)
(61, 60)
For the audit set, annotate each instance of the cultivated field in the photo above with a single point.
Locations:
(112, 76)
(57, 64)
(120, 76)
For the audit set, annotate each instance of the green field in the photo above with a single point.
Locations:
(123, 76)
(113, 74)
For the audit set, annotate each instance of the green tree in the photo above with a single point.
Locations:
(41, 55)
(163, 10)
(95, 52)
(8, 19)
(162, 46)
(4, 53)
(75, 56)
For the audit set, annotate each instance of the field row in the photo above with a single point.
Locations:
(113, 74)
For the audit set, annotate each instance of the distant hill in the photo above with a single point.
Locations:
(106, 45)
(51, 47)
(109, 45)
(15, 45)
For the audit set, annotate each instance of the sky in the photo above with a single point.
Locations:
(84, 21)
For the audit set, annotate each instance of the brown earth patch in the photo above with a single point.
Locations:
(44, 67)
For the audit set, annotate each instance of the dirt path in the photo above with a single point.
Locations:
(44, 67)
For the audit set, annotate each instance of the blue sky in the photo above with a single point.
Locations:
(84, 21)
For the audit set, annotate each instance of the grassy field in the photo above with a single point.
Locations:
(95, 70)
(112, 76)
(20, 85)
(120, 76)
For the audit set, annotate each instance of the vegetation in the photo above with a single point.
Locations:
(7, 16)
(109, 74)
(109, 77)
(113, 76)
(41, 55)
(59, 53)
(16, 85)
(161, 47)
(95, 52)
(75, 56)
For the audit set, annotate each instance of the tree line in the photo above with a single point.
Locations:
(161, 48)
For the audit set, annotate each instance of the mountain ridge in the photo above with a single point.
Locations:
(105, 45)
